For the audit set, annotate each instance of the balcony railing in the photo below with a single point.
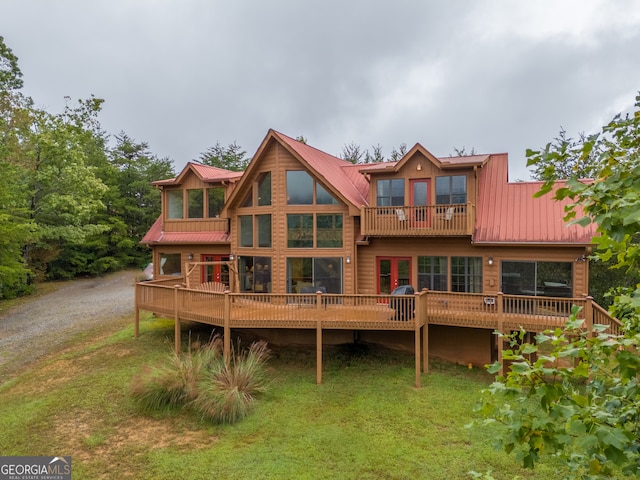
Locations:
(414, 221)
(362, 312)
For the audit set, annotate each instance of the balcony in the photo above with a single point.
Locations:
(418, 221)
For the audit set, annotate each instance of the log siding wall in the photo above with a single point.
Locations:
(277, 160)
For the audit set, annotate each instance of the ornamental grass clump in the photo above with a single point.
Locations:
(200, 379)
(175, 383)
(230, 390)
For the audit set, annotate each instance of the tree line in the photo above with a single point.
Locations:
(74, 200)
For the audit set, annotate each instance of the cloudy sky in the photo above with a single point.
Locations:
(492, 75)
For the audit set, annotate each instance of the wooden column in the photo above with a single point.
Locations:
(318, 338)
(176, 316)
(425, 330)
(227, 328)
(136, 310)
(417, 318)
(500, 328)
(417, 348)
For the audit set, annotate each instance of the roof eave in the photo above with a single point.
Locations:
(489, 243)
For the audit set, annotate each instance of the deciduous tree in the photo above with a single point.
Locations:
(579, 397)
(10, 74)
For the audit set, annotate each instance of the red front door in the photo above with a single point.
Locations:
(393, 272)
(215, 273)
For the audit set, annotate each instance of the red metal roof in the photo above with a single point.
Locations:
(336, 172)
(506, 213)
(509, 213)
(155, 235)
(443, 163)
(208, 173)
(205, 172)
(465, 160)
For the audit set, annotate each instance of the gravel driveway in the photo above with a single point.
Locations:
(43, 324)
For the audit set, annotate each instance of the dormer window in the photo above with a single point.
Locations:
(195, 202)
(215, 199)
(390, 192)
(451, 190)
(175, 207)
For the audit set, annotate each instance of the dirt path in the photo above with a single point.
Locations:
(44, 324)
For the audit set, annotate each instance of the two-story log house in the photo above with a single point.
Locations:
(300, 221)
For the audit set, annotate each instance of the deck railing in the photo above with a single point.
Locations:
(602, 317)
(427, 220)
(360, 312)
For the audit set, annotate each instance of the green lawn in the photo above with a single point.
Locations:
(365, 421)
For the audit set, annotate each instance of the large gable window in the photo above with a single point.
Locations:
(323, 197)
(261, 224)
(451, 190)
(327, 234)
(390, 192)
(299, 188)
(246, 230)
(329, 230)
(300, 230)
(175, 207)
(302, 189)
(264, 189)
(264, 230)
(259, 192)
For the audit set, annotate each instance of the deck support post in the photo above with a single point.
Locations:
(176, 317)
(417, 348)
(499, 340)
(418, 317)
(227, 328)
(136, 311)
(318, 352)
(424, 316)
(425, 347)
(318, 338)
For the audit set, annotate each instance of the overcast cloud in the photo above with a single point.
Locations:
(493, 75)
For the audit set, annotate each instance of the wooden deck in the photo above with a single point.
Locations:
(320, 312)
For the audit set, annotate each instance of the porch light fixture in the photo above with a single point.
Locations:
(581, 258)
(232, 257)
(490, 261)
(419, 167)
(190, 257)
(348, 259)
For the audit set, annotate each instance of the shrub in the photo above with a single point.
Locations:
(175, 383)
(229, 391)
(223, 392)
